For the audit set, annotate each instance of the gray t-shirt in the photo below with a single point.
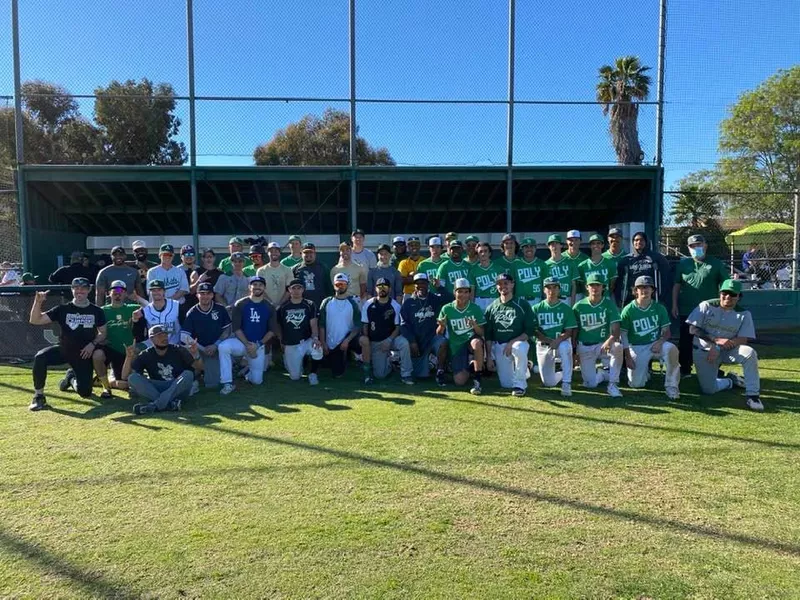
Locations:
(232, 288)
(366, 258)
(390, 273)
(112, 273)
(720, 323)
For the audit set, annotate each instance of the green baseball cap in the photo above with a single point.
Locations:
(295, 238)
(472, 238)
(156, 284)
(528, 241)
(731, 285)
(555, 238)
(236, 240)
(28, 277)
(596, 238)
(594, 278)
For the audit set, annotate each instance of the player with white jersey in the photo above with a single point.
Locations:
(173, 278)
(645, 330)
(721, 330)
(598, 334)
(162, 311)
(555, 324)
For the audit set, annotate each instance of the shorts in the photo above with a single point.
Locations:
(460, 360)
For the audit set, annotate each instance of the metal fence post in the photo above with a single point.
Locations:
(353, 128)
(192, 129)
(796, 244)
(510, 129)
(19, 135)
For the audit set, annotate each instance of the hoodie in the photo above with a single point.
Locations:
(650, 263)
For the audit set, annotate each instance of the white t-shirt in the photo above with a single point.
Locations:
(167, 317)
(366, 258)
(338, 320)
(11, 275)
(174, 280)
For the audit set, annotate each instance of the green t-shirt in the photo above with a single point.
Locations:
(644, 325)
(505, 265)
(699, 280)
(430, 268)
(553, 320)
(250, 271)
(226, 267)
(594, 320)
(564, 270)
(606, 269)
(458, 330)
(290, 261)
(507, 321)
(528, 277)
(484, 280)
(615, 257)
(119, 326)
(577, 260)
(449, 271)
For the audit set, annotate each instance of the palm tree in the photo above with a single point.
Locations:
(694, 206)
(619, 89)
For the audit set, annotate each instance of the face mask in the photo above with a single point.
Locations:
(697, 252)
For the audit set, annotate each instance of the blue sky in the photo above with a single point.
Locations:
(450, 49)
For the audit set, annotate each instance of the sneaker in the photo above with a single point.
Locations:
(685, 375)
(613, 391)
(368, 379)
(243, 372)
(476, 388)
(440, 378)
(195, 388)
(753, 403)
(66, 383)
(566, 390)
(106, 395)
(144, 409)
(736, 380)
(673, 393)
(313, 379)
(407, 380)
(175, 404)
(227, 389)
(518, 392)
(39, 402)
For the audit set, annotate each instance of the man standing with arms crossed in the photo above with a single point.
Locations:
(409, 266)
(463, 322)
(555, 327)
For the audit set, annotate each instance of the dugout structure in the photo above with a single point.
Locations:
(68, 204)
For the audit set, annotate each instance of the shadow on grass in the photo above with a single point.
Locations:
(91, 583)
(480, 484)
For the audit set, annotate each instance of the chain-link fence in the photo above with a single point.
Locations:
(753, 233)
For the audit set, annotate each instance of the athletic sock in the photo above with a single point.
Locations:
(104, 382)
(314, 365)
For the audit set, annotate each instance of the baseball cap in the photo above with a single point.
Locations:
(551, 281)
(187, 250)
(399, 239)
(555, 238)
(166, 249)
(118, 283)
(206, 286)
(420, 277)
(455, 244)
(413, 238)
(573, 233)
(461, 283)
(596, 238)
(341, 278)
(382, 281)
(509, 236)
(384, 247)
(296, 282)
(28, 277)
(295, 238)
(472, 238)
(81, 282)
(696, 239)
(451, 235)
(272, 245)
(731, 285)
(118, 249)
(644, 280)
(357, 232)
(435, 241)
(528, 241)
(504, 277)
(138, 244)
(256, 249)
(594, 278)
(156, 284)
(155, 330)
(236, 240)
(309, 246)
(615, 231)
(237, 256)
(257, 279)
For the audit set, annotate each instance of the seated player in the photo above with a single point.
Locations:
(463, 322)
(555, 327)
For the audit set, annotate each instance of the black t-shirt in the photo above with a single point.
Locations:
(175, 361)
(65, 275)
(78, 324)
(382, 319)
(295, 321)
(211, 274)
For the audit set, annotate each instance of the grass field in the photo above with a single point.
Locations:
(397, 492)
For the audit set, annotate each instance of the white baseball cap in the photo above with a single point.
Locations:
(341, 278)
(420, 277)
(573, 233)
(138, 244)
(272, 245)
(461, 283)
(399, 239)
(316, 352)
(435, 241)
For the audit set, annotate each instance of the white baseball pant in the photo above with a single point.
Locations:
(512, 371)
(546, 359)
(293, 358)
(233, 347)
(641, 354)
(588, 356)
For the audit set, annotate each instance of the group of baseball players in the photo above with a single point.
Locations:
(164, 328)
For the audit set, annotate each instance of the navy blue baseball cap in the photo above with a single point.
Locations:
(206, 286)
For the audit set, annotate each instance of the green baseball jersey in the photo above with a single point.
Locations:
(528, 277)
(449, 271)
(699, 280)
(250, 271)
(553, 319)
(290, 261)
(505, 265)
(594, 320)
(119, 326)
(577, 260)
(484, 280)
(615, 257)
(459, 331)
(430, 267)
(606, 269)
(467, 259)
(505, 321)
(564, 270)
(644, 325)
(226, 267)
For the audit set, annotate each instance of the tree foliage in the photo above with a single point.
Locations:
(319, 141)
(620, 88)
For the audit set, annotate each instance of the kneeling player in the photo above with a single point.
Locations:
(463, 321)
(556, 323)
(598, 335)
(645, 333)
(120, 317)
(299, 333)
